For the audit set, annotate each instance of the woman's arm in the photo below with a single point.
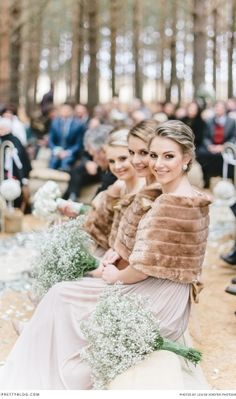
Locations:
(127, 276)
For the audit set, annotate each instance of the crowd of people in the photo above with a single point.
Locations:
(62, 130)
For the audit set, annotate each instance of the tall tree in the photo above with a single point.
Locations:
(173, 76)
(199, 43)
(137, 26)
(93, 32)
(231, 47)
(80, 52)
(32, 36)
(162, 24)
(77, 48)
(4, 52)
(214, 40)
(114, 18)
(15, 49)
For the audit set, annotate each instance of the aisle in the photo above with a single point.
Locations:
(216, 320)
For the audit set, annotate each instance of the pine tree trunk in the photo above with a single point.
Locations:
(93, 31)
(214, 50)
(173, 76)
(31, 34)
(199, 44)
(15, 50)
(74, 50)
(4, 52)
(231, 46)
(79, 47)
(162, 46)
(137, 18)
(114, 17)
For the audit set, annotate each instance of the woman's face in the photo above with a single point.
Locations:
(167, 160)
(139, 156)
(119, 163)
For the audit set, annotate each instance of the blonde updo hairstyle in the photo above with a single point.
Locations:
(118, 138)
(144, 130)
(181, 134)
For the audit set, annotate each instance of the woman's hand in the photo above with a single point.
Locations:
(110, 257)
(110, 274)
(97, 272)
(66, 209)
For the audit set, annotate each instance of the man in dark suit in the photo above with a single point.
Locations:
(221, 129)
(65, 139)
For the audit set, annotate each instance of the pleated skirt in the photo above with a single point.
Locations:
(47, 353)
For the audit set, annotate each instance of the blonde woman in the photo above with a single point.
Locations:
(100, 218)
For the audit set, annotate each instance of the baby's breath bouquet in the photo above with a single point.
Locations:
(121, 332)
(63, 254)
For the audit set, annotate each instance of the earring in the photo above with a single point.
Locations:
(184, 168)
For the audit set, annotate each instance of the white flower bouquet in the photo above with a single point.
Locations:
(48, 199)
(121, 332)
(63, 254)
(45, 204)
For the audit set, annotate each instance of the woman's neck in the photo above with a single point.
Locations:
(180, 186)
(134, 184)
(150, 180)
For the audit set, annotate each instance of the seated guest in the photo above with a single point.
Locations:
(65, 139)
(81, 113)
(221, 129)
(18, 129)
(93, 167)
(194, 120)
(169, 109)
(21, 164)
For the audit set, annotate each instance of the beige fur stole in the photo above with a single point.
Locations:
(99, 219)
(171, 238)
(126, 233)
(119, 209)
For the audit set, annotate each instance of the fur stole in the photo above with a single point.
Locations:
(171, 238)
(119, 209)
(125, 237)
(99, 219)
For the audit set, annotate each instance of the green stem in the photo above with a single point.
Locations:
(191, 354)
(84, 209)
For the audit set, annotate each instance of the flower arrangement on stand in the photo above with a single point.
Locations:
(63, 254)
(120, 333)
